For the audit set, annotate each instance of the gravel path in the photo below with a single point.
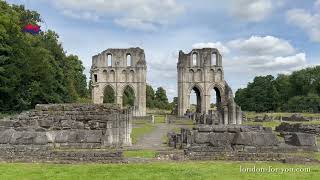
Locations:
(154, 140)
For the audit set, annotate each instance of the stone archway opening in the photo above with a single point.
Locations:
(108, 95)
(215, 100)
(128, 97)
(195, 100)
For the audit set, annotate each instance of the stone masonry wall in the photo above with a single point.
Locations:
(298, 127)
(68, 126)
(208, 141)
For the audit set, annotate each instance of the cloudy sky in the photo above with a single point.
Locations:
(256, 37)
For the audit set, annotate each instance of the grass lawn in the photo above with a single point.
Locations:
(159, 119)
(276, 114)
(158, 170)
(140, 153)
(140, 128)
(273, 124)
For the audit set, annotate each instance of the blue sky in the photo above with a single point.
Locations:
(256, 37)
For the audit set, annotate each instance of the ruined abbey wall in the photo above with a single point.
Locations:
(201, 71)
(119, 69)
(68, 126)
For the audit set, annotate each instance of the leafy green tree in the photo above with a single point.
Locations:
(309, 103)
(260, 95)
(296, 92)
(128, 97)
(34, 68)
(284, 88)
(150, 96)
(161, 100)
(108, 95)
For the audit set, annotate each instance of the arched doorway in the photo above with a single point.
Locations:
(128, 97)
(108, 95)
(195, 100)
(215, 99)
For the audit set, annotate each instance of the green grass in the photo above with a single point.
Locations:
(277, 114)
(271, 124)
(139, 153)
(159, 119)
(154, 171)
(84, 100)
(158, 111)
(313, 155)
(139, 129)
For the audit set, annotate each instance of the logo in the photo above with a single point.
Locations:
(32, 29)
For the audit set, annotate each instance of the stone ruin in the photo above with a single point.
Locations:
(293, 118)
(298, 127)
(201, 71)
(38, 133)
(117, 70)
(240, 142)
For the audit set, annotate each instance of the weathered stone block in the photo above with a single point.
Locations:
(45, 123)
(93, 136)
(7, 123)
(201, 137)
(23, 137)
(221, 139)
(5, 136)
(66, 136)
(40, 138)
(255, 139)
(300, 139)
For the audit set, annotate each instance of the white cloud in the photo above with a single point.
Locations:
(317, 4)
(267, 45)
(136, 24)
(283, 63)
(223, 49)
(252, 10)
(136, 14)
(258, 55)
(85, 15)
(308, 22)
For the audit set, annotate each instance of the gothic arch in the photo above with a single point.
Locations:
(126, 66)
(127, 89)
(199, 96)
(208, 77)
(105, 75)
(109, 94)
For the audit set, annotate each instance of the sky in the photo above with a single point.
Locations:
(255, 37)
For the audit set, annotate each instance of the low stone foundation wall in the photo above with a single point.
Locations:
(69, 126)
(171, 119)
(234, 139)
(297, 127)
(36, 153)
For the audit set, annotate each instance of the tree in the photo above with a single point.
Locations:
(128, 97)
(161, 100)
(34, 68)
(296, 92)
(150, 96)
(108, 95)
(309, 103)
(260, 95)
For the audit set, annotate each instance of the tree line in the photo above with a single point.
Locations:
(35, 68)
(296, 92)
(154, 99)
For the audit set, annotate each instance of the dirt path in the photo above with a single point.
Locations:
(154, 140)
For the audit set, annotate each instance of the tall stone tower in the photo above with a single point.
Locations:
(201, 71)
(117, 70)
